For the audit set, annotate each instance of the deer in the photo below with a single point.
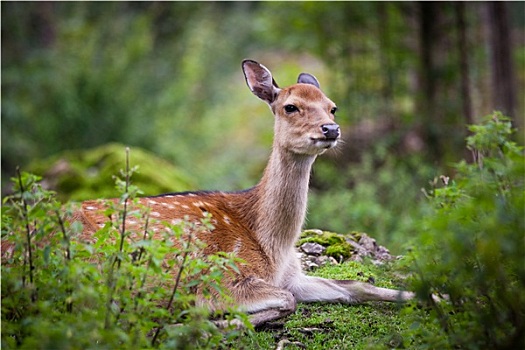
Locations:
(261, 225)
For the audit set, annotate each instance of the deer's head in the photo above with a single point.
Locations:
(304, 116)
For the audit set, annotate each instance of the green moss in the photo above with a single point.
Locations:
(88, 174)
(355, 236)
(338, 250)
(336, 244)
(335, 326)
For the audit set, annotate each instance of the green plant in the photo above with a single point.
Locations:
(59, 292)
(471, 249)
(376, 197)
(85, 174)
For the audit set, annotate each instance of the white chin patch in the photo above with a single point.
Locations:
(325, 144)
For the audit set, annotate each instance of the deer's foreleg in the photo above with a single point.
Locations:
(311, 289)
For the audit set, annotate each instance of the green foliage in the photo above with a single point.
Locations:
(121, 291)
(383, 200)
(81, 93)
(472, 247)
(336, 32)
(165, 76)
(84, 174)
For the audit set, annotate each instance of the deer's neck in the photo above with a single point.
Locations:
(282, 200)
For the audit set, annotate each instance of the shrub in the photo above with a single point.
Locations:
(86, 174)
(376, 197)
(471, 248)
(61, 293)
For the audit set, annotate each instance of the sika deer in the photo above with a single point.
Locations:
(261, 225)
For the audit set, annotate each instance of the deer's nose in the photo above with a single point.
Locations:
(330, 131)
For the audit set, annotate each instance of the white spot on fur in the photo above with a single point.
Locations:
(238, 245)
(152, 202)
(185, 206)
(226, 219)
(155, 214)
(91, 208)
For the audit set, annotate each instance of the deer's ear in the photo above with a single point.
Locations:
(260, 81)
(305, 78)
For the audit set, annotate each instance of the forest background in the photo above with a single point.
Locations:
(165, 77)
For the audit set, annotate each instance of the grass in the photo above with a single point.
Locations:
(374, 325)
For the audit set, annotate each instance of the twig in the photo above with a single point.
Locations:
(64, 233)
(176, 286)
(69, 291)
(141, 249)
(28, 232)
(135, 259)
(116, 259)
(125, 211)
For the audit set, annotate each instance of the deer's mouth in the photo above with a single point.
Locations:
(324, 142)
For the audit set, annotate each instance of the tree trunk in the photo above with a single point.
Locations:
(463, 50)
(429, 13)
(44, 25)
(386, 67)
(503, 86)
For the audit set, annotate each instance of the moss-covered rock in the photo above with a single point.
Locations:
(335, 243)
(354, 245)
(339, 250)
(88, 174)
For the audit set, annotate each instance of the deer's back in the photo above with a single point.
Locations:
(230, 216)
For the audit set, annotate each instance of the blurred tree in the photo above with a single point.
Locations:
(463, 49)
(500, 38)
(76, 89)
(376, 51)
(165, 76)
(430, 14)
(136, 73)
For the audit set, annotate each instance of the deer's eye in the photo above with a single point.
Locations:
(333, 110)
(290, 108)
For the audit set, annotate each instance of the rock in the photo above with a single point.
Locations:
(323, 260)
(313, 248)
(312, 232)
(312, 262)
(310, 265)
(368, 243)
(318, 248)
